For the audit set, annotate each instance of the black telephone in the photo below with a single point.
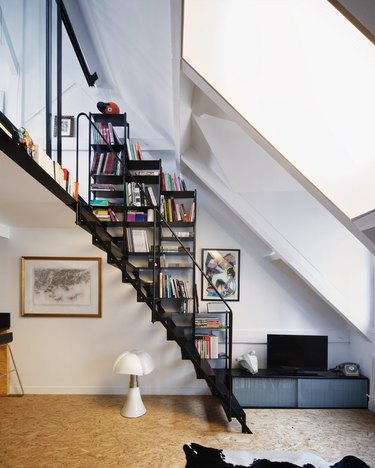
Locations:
(349, 369)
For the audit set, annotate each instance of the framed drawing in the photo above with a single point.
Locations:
(61, 286)
(222, 267)
(67, 126)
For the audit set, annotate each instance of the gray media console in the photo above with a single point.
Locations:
(268, 389)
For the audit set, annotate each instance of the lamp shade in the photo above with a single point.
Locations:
(134, 362)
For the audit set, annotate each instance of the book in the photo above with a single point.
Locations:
(139, 240)
(128, 151)
(152, 195)
(110, 133)
(171, 182)
(95, 163)
(150, 215)
(100, 202)
(135, 216)
(108, 163)
(101, 161)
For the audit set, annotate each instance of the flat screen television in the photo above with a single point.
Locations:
(297, 353)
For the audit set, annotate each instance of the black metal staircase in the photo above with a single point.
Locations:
(218, 380)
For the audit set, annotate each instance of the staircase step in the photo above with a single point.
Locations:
(180, 332)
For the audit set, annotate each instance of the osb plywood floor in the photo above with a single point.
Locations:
(88, 431)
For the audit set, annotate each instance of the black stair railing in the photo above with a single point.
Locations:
(157, 311)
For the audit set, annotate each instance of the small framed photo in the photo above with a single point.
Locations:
(222, 267)
(61, 286)
(67, 126)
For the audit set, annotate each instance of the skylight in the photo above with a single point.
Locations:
(303, 76)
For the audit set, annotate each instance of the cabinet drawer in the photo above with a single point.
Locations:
(266, 393)
(335, 393)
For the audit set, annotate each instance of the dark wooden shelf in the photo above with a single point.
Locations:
(137, 224)
(103, 148)
(172, 238)
(178, 193)
(177, 268)
(180, 223)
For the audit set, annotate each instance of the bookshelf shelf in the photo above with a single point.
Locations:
(176, 268)
(172, 238)
(144, 224)
(179, 194)
(100, 148)
(181, 224)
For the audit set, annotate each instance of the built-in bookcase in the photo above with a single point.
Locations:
(108, 154)
(151, 214)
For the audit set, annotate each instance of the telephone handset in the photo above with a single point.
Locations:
(349, 369)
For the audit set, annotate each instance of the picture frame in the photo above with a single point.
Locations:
(61, 286)
(67, 126)
(222, 267)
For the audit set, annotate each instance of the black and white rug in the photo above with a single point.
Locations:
(198, 456)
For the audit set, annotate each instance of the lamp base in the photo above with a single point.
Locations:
(133, 406)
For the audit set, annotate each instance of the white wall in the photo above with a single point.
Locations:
(361, 352)
(76, 355)
(10, 79)
(280, 210)
(272, 297)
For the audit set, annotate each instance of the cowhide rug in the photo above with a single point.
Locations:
(198, 456)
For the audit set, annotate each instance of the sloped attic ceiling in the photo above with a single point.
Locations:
(129, 44)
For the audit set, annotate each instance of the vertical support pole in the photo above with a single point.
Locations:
(48, 75)
(59, 80)
(4, 370)
(154, 264)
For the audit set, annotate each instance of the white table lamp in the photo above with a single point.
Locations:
(134, 363)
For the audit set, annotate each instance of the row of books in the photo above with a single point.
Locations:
(106, 163)
(170, 264)
(172, 182)
(172, 248)
(174, 288)
(106, 215)
(174, 211)
(102, 187)
(140, 216)
(208, 322)
(106, 133)
(167, 233)
(136, 194)
(144, 172)
(207, 346)
(107, 202)
(61, 175)
(137, 240)
(187, 306)
(134, 151)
